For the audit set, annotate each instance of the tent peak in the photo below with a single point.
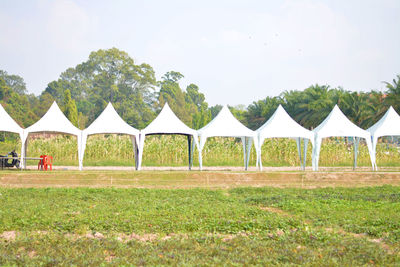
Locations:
(225, 107)
(280, 107)
(337, 124)
(166, 105)
(109, 106)
(54, 120)
(392, 109)
(280, 124)
(168, 122)
(54, 104)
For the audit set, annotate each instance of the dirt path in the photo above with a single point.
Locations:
(224, 178)
(218, 168)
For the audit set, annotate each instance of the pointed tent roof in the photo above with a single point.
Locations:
(54, 121)
(7, 123)
(110, 122)
(337, 124)
(388, 125)
(168, 123)
(225, 124)
(282, 125)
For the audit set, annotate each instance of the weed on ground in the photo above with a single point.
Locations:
(240, 226)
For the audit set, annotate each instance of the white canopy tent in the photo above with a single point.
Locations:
(168, 123)
(337, 124)
(281, 125)
(54, 121)
(9, 125)
(388, 125)
(226, 125)
(109, 122)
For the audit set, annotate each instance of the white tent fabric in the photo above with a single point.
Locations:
(109, 122)
(9, 125)
(226, 125)
(281, 125)
(168, 123)
(54, 121)
(388, 125)
(337, 124)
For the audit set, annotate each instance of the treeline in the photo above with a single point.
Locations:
(113, 76)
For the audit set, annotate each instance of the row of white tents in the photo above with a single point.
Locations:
(280, 125)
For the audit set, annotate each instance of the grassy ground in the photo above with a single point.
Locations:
(236, 226)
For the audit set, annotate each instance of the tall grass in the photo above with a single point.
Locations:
(171, 150)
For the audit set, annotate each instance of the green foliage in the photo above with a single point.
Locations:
(113, 76)
(69, 107)
(215, 110)
(171, 150)
(260, 111)
(109, 76)
(202, 115)
(373, 211)
(171, 93)
(17, 105)
(393, 93)
(14, 82)
(318, 227)
(189, 105)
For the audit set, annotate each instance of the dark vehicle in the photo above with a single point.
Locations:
(9, 162)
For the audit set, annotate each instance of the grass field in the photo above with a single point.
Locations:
(158, 218)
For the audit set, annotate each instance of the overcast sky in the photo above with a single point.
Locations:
(237, 52)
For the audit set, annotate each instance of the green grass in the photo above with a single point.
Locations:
(241, 226)
(371, 210)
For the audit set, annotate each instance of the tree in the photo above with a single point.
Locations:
(109, 76)
(393, 93)
(18, 106)
(313, 105)
(14, 82)
(171, 93)
(239, 112)
(194, 97)
(374, 108)
(259, 112)
(215, 110)
(70, 110)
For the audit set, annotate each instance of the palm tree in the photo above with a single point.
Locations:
(260, 111)
(315, 105)
(393, 93)
(353, 106)
(374, 108)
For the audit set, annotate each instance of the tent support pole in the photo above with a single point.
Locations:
(249, 144)
(356, 140)
(244, 152)
(136, 151)
(298, 142)
(189, 139)
(25, 150)
(305, 141)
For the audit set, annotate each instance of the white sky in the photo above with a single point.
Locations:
(237, 52)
